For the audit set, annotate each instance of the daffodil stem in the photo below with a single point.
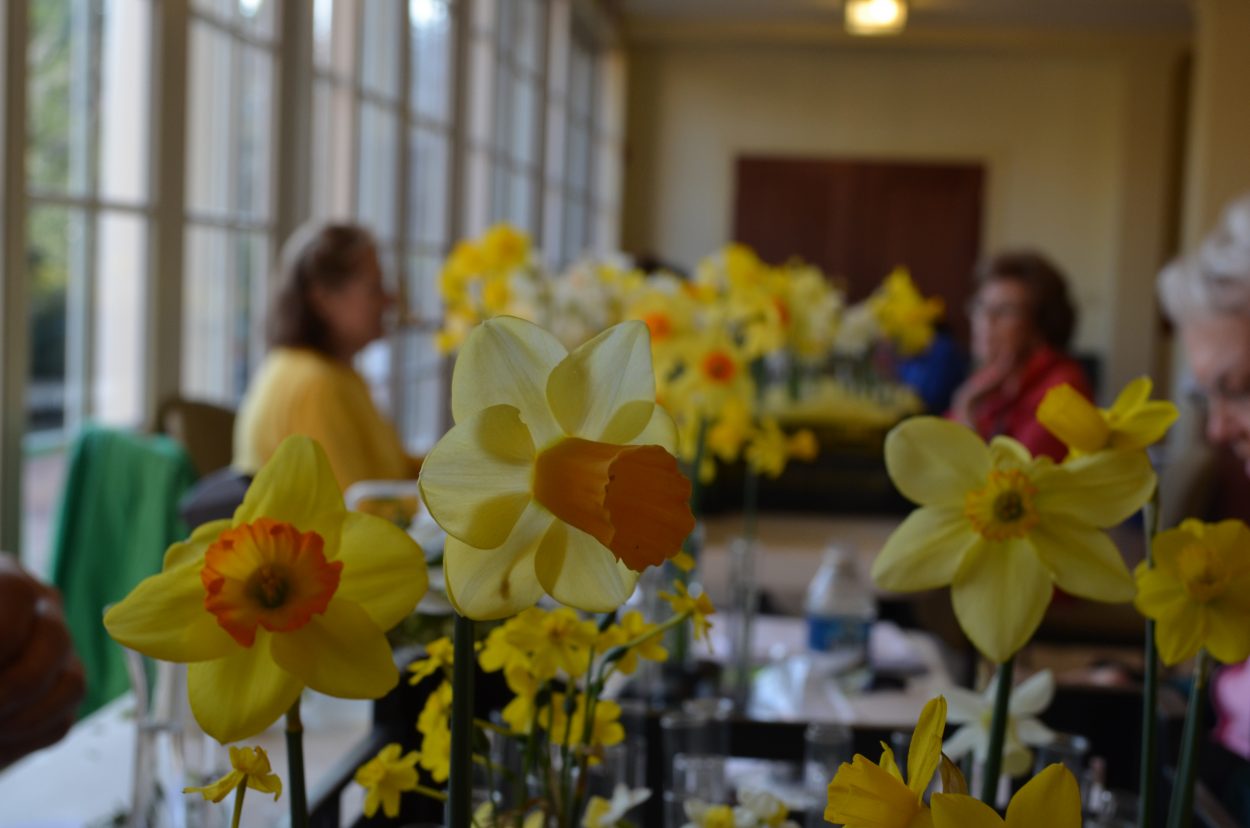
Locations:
(1182, 810)
(998, 733)
(295, 767)
(460, 785)
(696, 479)
(1150, 690)
(238, 803)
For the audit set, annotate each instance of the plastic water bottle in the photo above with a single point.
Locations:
(840, 607)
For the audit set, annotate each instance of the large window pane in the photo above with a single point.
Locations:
(61, 106)
(124, 81)
(430, 61)
(378, 169)
(255, 114)
(334, 36)
(210, 128)
(55, 247)
(524, 125)
(332, 150)
(383, 22)
(118, 369)
(427, 188)
(258, 16)
(208, 345)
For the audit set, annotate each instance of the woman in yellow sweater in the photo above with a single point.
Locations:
(330, 304)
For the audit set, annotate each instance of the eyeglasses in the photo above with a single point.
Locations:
(995, 311)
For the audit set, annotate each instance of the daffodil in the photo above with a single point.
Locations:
(605, 728)
(1003, 528)
(706, 815)
(519, 713)
(864, 794)
(385, 777)
(1198, 592)
(438, 658)
(1133, 422)
(696, 607)
(434, 725)
(716, 374)
(1051, 799)
(633, 627)
(975, 712)
(768, 810)
(606, 813)
(556, 640)
(248, 766)
(904, 314)
(294, 592)
(771, 448)
(504, 247)
(558, 475)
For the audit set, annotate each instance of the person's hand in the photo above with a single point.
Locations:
(41, 680)
(994, 375)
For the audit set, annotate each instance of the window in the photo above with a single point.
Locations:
(233, 52)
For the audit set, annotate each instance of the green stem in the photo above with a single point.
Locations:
(295, 767)
(1182, 812)
(696, 481)
(421, 790)
(998, 733)
(1150, 690)
(460, 785)
(238, 803)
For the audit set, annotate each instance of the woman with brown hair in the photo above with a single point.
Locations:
(330, 304)
(1022, 322)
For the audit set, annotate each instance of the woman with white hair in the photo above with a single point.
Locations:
(1207, 295)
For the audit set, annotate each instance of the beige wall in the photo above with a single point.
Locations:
(1076, 142)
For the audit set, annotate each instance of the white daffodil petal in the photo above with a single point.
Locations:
(487, 584)
(1033, 695)
(593, 386)
(580, 572)
(1033, 732)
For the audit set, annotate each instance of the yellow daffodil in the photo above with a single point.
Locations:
(503, 247)
(556, 640)
(632, 628)
(606, 729)
(499, 652)
(438, 658)
(1003, 528)
(1198, 592)
(434, 725)
(683, 561)
(905, 316)
(1049, 800)
(716, 374)
(706, 815)
(519, 713)
(295, 591)
(558, 475)
(385, 777)
(864, 794)
(1133, 422)
(698, 608)
(771, 449)
(730, 430)
(768, 810)
(249, 766)
(606, 813)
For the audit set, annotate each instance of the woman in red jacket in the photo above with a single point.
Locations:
(1022, 322)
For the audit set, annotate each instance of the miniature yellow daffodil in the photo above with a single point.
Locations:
(385, 777)
(250, 767)
(975, 712)
(864, 794)
(434, 725)
(716, 372)
(438, 658)
(768, 810)
(1051, 799)
(504, 247)
(1003, 528)
(634, 627)
(1133, 422)
(1198, 591)
(558, 475)
(683, 561)
(606, 813)
(771, 449)
(606, 729)
(519, 713)
(705, 815)
(697, 608)
(294, 592)
(556, 640)
(904, 314)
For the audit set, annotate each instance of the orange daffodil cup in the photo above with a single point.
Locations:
(293, 592)
(559, 474)
(1003, 528)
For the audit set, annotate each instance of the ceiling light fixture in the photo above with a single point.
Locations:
(876, 17)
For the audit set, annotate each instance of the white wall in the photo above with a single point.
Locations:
(1053, 128)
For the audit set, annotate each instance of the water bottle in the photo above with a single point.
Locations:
(840, 607)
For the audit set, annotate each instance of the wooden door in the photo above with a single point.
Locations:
(859, 219)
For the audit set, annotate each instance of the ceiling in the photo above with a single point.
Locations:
(1114, 15)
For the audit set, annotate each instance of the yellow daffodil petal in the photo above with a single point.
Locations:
(1131, 396)
(580, 572)
(506, 361)
(476, 479)
(1000, 595)
(1146, 426)
(194, 547)
(1101, 489)
(220, 789)
(865, 795)
(240, 695)
(341, 653)
(660, 431)
(487, 584)
(1083, 561)
(1180, 635)
(962, 811)
(925, 551)
(164, 617)
(1228, 635)
(297, 486)
(605, 389)
(1076, 421)
(925, 750)
(1159, 594)
(383, 569)
(934, 461)
(1051, 799)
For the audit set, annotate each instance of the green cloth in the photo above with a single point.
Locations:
(119, 512)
